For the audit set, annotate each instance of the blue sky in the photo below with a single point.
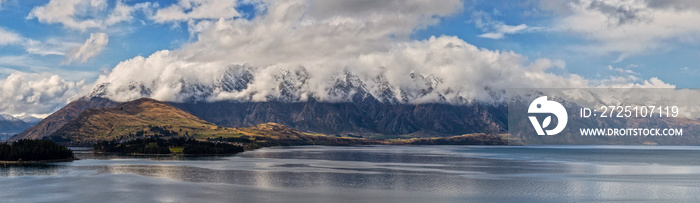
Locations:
(604, 42)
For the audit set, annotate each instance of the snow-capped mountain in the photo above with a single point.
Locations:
(28, 119)
(342, 103)
(244, 83)
(10, 125)
(23, 118)
(8, 117)
(346, 103)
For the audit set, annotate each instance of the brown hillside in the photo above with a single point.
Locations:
(147, 118)
(53, 122)
(127, 119)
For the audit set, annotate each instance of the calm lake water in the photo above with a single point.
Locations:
(370, 174)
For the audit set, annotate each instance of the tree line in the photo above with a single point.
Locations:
(33, 150)
(162, 146)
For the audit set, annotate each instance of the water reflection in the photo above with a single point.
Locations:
(370, 173)
(31, 170)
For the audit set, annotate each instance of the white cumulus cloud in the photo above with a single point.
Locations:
(315, 42)
(36, 93)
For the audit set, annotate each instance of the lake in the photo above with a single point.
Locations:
(369, 174)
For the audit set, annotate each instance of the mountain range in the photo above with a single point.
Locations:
(359, 107)
(362, 115)
(368, 118)
(347, 103)
(145, 117)
(10, 125)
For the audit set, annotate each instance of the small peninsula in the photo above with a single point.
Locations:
(33, 151)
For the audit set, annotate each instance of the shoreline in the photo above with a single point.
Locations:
(6, 163)
(171, 154)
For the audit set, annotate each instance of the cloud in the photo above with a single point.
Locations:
(186, 10)
(123, 12)
(622, 70)
(503, 29)
(306, 49)
(8, 37)
(84, 14)
(630, 27)
(621, 76)
(91, 48)
(496, 29)
(332, 50)
(296, 50)
(51, 46)
(36, 93)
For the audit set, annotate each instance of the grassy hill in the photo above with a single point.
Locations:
(151, 118)
(56, 120)
(138, 118)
